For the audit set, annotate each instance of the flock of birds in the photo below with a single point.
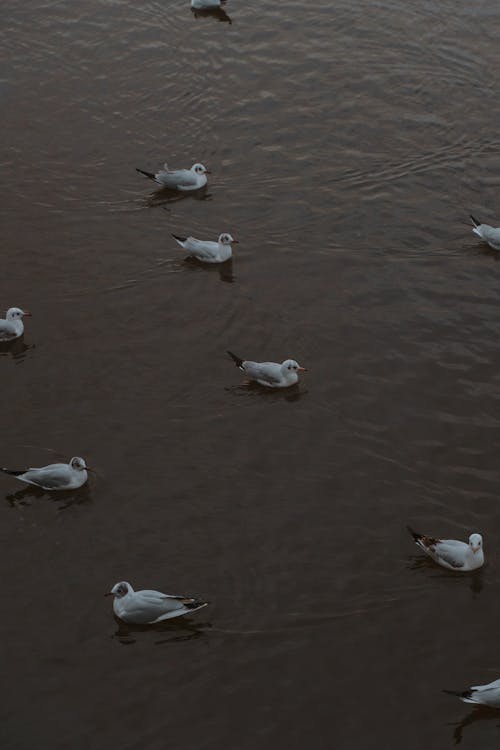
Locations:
(148, 607)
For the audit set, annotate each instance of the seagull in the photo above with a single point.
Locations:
(54, 476)
(148, 607)
(12, 327)
(491, 235)
(270, 374)
(179, 179)
(452, 554)
(483, 695)
(206, 4)
(206, 251)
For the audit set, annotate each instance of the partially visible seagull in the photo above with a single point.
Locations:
(147, 607)
(491, 235)
(270, 374)
(450, 553)
(12, 327)
(179, 179)
(206, 4)
(483, 695)
(208, 252)
(54, 476)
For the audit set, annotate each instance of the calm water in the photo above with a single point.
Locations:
(348, 142)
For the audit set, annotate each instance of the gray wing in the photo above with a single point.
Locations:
(177, 178)
(452, 552)
(52, 477)
(267, 371)
(201, 249)
(490, 234)
(155, 604)
(7, 330)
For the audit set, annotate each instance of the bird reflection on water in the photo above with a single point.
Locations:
(481, 713)
(164, 196)
(168, 631)
(64, 498)
(16, 349)
(218, 13)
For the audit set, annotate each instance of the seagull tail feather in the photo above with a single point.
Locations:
(416, 536)
(179, 239)
(475, 221)
(13, 471)
(237, 360)
(147, 174)
(459, 693)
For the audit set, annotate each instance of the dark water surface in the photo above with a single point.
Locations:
(348, 143)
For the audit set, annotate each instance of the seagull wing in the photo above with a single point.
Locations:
(176, 178)
(202, 249)
(269, 372)
(7, 330)
(53, 477)
(452, 552)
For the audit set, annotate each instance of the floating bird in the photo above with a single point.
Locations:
(483, 695)
(451, 553)
(148, 607)
(206, 251)
(491, 235)
(54, 476)
(179, 179)
(206, 4)
(270, 374)
(13, 327)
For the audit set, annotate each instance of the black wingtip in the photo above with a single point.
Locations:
(459, 693)
(237, 360)
(414, 534)
(474, 221)
(13, 472)
(196, 604)
(146, 174)
(177, 237)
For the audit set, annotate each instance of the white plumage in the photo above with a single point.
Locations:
(179, 179)
(489, 234)
(451, 553)
(207, 251)
(483, 695)
(270, 374)
(12, 327)
(147, 607)
(54, 476)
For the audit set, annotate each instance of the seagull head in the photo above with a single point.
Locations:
(290, 365)
(199, 169)
(15, 313)
(475, 542)
(226, 239)
(120, 589)
(78, 464)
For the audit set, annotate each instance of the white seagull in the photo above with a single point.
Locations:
(206, 251)
(179, 179)
(206, 4)
(54, 476)
(483, 695)
(12, 327)
(491, 235)
(270, 374)
(452, 554)
(147, 607)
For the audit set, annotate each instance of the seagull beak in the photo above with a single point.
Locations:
(27, 313)
(235, 242)
(302, 369)
(109, 593)
(207, 171)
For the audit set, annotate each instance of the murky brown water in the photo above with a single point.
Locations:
(347, 143)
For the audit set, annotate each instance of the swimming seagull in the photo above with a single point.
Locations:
(491, 235)
(483, 695)
(208, 252)
(12, 327)
(148, 607)
(179, 179)
(54, 476)
(270, 374)
(450, 553)
(206, 4)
